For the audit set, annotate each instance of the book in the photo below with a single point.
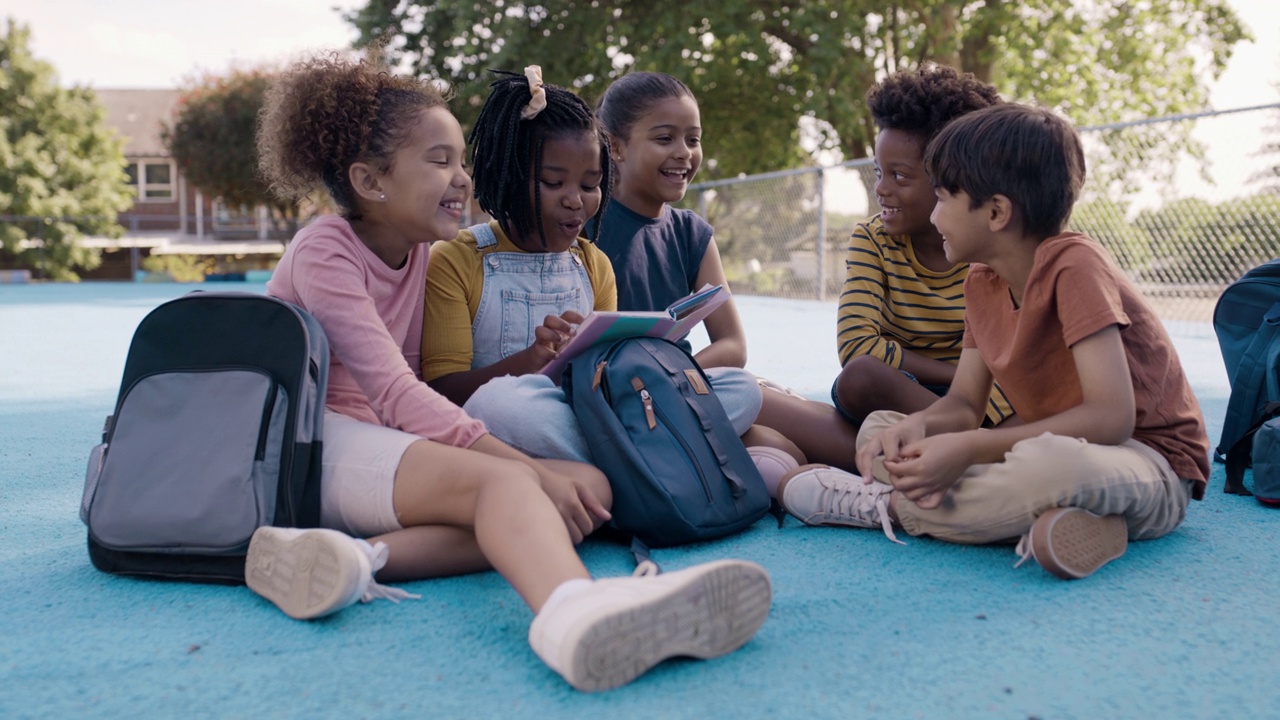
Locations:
(672, 324)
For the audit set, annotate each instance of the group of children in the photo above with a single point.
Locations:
(1029, 396)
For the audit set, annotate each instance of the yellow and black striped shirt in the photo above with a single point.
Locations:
(891, 303)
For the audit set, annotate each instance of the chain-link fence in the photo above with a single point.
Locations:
(1184, 204)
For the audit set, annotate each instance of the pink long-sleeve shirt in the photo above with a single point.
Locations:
(372, 315)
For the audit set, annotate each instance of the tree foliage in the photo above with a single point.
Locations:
(1197, 241)
(62, 171)
(212, 139)
(758, 68)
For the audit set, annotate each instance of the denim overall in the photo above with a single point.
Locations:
(520, 289)
(528, 412)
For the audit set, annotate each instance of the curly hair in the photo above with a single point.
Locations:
(506, 151)
(326, 113)
(921, 101)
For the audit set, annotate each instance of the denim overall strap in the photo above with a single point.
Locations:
(520, 290)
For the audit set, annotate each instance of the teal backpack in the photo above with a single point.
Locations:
(1246, 320)
(678, 470)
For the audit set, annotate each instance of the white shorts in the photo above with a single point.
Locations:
(358, 475)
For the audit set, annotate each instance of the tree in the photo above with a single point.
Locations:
(213, 141)
(758, 67)
(62, 171)
(1197, 241)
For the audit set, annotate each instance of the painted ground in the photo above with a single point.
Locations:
(1181, 627)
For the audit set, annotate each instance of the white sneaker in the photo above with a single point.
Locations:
(315, 572)
(614, 630)
(822, 495)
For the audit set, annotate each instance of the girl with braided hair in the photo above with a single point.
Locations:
(503, 296)
(429, 487)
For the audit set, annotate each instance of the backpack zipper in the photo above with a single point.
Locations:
(267, 407)
(638, 385)
(650, 409)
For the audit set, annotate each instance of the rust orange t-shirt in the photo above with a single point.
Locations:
(1073, 291)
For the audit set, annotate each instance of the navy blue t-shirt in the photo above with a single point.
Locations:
(655, 260)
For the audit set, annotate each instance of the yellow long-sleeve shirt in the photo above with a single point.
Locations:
(455, 281)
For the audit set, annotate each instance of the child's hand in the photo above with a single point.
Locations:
(551, 335)
(929, 467)
(582, 511)
(889, 443)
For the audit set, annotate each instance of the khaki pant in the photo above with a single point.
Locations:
(997, 502)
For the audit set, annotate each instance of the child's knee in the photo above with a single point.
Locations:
(740, 395)
(875, 423)
(507, 476)
(862, 377)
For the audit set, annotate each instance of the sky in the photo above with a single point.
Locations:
(160, 44)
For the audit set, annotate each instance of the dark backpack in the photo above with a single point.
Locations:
(216, 431)
(678, 470)
(1246, 320)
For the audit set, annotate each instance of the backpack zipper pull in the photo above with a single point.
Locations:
(638, 385)
(595, 380)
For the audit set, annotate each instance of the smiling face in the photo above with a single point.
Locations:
(568, 189)
(964, 228)
(903, 188)
(426, 185)
(659, 158)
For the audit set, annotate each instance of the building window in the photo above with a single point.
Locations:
(151, 179)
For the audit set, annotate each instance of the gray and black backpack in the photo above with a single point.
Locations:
(216, 431)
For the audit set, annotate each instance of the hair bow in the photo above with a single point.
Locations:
(538, 101)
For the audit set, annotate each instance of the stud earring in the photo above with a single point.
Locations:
(382, 197)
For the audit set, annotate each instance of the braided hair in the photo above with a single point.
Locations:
(506, 151)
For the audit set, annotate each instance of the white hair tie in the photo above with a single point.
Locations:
(533, 73)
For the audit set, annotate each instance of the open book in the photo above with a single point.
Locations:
(672, 324)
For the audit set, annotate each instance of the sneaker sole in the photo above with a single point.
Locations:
(710, 613)
(1073, 543)
(306, 576)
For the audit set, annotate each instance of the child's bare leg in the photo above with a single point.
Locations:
(429, 551)
(516, 527)
(816, 428)
(441, 551)
(866, 384)
(760, 435)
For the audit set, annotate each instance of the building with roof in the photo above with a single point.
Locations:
(170, 216)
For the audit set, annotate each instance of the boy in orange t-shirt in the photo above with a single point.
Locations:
(1113, 444)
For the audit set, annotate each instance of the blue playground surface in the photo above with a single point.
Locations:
(1181, 627)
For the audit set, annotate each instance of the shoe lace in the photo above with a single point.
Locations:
(867, 505)
(375, 590)
(647, 568)
(1024, 550)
